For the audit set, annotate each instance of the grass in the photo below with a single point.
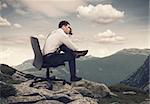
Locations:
(124, 99)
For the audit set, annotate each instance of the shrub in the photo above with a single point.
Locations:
(5, 69)
(6, 90)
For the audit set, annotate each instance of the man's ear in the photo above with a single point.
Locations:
(63, 27)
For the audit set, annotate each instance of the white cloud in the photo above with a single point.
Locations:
(53, 8)
(2, 5)
(100, 13)
(109, 37)
(10, 55)
(40, 36)
(5, 53)
(4, 22)
(17, 25)
(20, 11)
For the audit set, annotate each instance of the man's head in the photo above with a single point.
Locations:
(65, 25)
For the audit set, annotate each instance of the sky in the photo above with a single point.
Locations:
(101, 26)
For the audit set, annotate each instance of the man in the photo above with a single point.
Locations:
(57, 41)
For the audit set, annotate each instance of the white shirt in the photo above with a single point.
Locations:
(56, 39)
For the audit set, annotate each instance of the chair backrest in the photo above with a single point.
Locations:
(38, 58)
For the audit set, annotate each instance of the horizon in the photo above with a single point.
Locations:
(103, 27)
(89, 55)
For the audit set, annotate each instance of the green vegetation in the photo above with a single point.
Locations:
(6, 90)
(8, 79)
(5, 69)
(124, 99)
(123, 87)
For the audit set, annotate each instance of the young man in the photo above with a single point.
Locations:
(59, 40)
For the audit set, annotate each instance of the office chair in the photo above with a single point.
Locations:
(39, 64)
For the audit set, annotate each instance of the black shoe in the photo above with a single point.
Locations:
(80, 53)
(74, 79)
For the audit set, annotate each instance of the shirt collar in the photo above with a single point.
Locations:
(62, 31)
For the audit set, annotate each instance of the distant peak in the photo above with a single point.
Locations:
(135, 51)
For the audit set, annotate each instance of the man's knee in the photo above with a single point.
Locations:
(65, 48)
(70, 55)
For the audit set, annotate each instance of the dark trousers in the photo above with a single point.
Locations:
(56, 59)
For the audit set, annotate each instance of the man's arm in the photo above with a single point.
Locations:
(67, 41)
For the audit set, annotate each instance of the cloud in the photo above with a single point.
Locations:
(40, 36)
(100, 13)
(109, 37)
(17, 6)
(17, 25)
(10, 56)
(2, 5)
(4, 22)
(5, 53)
(53, 8)
(20, 11)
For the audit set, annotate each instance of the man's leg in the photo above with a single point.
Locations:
(57, 59)
(72, 63)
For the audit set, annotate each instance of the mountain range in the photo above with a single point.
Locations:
(140, 78)
(116, 67)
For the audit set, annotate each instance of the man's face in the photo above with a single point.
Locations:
(66, 29)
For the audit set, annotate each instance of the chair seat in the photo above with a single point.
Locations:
(53, 66)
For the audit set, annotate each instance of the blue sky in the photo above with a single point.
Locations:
(101, 26)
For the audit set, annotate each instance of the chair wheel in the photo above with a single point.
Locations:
(64, 82)
(50, 86)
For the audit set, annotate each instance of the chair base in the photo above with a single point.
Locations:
(49, 80)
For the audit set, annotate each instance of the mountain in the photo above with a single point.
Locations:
(115, 67)
(15, 88)
(25, 65)
(140, 78)
(135, 51)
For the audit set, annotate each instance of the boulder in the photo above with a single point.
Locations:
(92, 89)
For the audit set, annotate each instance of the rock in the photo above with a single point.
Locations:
(11, 75)
(24, 99)
(146, 87)
(84, 91)
(49, 102)
(45, 85)
(147, 101)
(85, 100)
(115, 103)
(19, 76)
(129, 93)
(81, 92)
(66, 94)
(91, 89)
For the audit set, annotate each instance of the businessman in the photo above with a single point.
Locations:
(56, 43)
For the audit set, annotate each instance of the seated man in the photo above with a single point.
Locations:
(57, 41)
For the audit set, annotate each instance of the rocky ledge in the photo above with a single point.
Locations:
(81, 92)
(15, 88)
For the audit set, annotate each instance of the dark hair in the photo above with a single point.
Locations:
(63, 23)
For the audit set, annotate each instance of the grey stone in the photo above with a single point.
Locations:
(129, 93)
(49, 102)
(95, 89)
